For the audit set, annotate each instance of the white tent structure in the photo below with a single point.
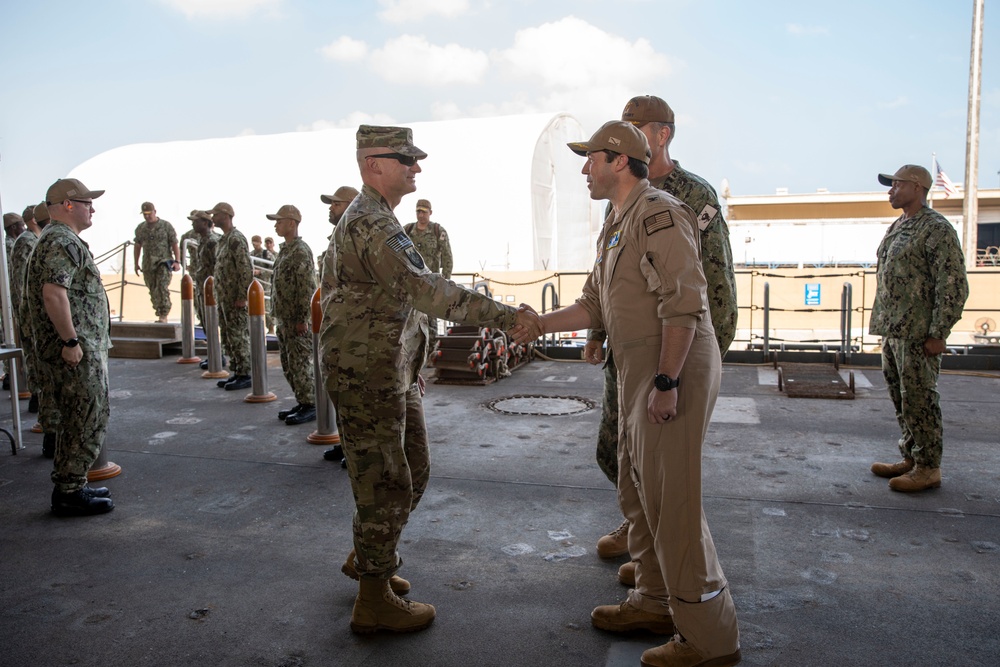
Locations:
(508, 189)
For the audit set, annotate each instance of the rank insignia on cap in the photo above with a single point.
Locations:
(655, 223)
(613, 241)
(706, 216)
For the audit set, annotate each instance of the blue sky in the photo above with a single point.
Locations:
(768, 94)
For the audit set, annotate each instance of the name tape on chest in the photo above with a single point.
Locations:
(402, 243)
(658, 221)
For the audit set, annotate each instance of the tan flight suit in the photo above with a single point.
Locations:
(649, 275)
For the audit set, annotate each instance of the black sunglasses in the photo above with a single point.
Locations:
(405, 160)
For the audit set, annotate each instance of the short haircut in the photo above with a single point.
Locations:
(637, 168)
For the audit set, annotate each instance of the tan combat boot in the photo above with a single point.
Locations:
(399, 585)
(891, 470)
(920, 478)
(378, 608)
(625, 617)
(678, 653)
(626, 573)
(615, 543)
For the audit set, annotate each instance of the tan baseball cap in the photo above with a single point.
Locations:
(69, 188)
(11, 219)
(397, 139)
(617, 136)
(200, 215)
(908, 172)
(345, 193)
(424, 205)
(29, 212)
(147, 207)
(647, 109)
(286, 211)
(41, 213)
(223, 207)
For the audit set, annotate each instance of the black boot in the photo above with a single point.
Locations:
(79, 503)
(33, 404)
(305, 413)
(335, 453)
(239, 382)
(222, 383)
(285, 414)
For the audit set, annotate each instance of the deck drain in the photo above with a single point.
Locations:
(541, 405)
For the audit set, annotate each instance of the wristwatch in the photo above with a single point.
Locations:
(72, 342)
(665, 382)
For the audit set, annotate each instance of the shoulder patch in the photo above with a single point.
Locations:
(652, 198)
(658, 221)
(401, 243)
(706, 216)
(74, 254)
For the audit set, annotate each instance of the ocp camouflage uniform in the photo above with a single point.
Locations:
(204, 267)
(921, 291)
(157, 239)
(716, 262)
(81, 394)
(292, 288)
(433, 245)
(233, 275)
(375, 290)
(19, 256)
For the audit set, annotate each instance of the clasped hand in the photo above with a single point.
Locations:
(529, 325)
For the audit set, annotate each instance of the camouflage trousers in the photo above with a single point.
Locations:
(81, 395)
(199, 305)
(607, 432)
(234, 330)
(385, 443)
(911, 377)
(297, 363)
(157, 279)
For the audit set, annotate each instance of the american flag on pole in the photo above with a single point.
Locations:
(942, 181)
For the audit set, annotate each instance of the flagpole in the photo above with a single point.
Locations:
(970, 208)
(930, 193)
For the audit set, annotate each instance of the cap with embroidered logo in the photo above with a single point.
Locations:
(69, 188)
(647, 109)
(617, 136)
(424, 205)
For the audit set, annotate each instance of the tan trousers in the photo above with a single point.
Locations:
(659, 488)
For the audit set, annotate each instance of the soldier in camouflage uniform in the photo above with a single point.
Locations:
(921, 291)
(201, 262)
(293, 284)
(13, 226)
(655, 119)
(338, 203)
(375, 290)
(71, 331)
(431, 241)
(263, 273)
(233, 275)
(156, 241)
(23, 246)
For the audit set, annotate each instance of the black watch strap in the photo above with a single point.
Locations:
(665, 382)
(72, 342)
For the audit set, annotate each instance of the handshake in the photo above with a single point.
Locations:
(529, 325)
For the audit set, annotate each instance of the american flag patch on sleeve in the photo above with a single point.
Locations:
(399, 242)
(655, 223)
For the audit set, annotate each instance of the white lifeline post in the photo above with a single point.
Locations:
(187, 322)
(258, 346)
(326, 419)
(212, 333)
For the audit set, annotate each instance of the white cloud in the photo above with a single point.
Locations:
(345, 49)
(247, 132)
(218, 9)
(901, 101)
(571, 53)
(352, 119)
(413, 60)
(404, 11)
(796, 29)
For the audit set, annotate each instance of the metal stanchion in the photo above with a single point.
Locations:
(212, 333)
(258, 346)
(187, 322)
(326, 419)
